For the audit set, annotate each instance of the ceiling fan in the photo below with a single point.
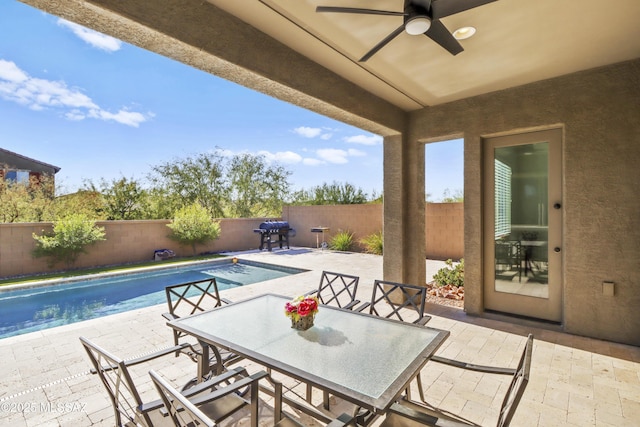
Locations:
(420, 17)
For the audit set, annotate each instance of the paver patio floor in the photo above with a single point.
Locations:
(575, 381)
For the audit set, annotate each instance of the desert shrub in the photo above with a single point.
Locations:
(69, 238)
(192, 225)
(342, 241)
(373, 243)
(450, 275)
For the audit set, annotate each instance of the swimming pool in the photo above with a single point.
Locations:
(37, 308)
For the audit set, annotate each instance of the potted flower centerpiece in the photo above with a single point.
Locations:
(301, 311)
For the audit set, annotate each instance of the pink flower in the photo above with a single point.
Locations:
(301, 307)
(304, 308)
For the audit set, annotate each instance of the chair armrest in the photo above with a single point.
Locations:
(472, 367)
(152, 406)
(362, 307)
(146, 358)
(225, 376)
(423, 320)
(155, 355)
(169, 316)
(352, 304)
(251, 380)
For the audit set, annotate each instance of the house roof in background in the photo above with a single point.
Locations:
(18, 161)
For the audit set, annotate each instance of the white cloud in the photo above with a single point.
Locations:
(307, 132)
(10, 72)
(288, 157)
(91, 37)
(333, 155)
(364, 139)
(308, 161)
(129, 118)
(39, 94)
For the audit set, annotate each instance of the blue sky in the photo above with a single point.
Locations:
(100, 108)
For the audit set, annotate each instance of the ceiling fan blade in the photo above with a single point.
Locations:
(382, 44)
(359, 11)
(439, 34)
(442, 8)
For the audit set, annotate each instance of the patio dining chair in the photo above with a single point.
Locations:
(397, 301)
(128, 407)
(210, 408)
(337, 289)
(412, 414)
(195, 412)
(190, 298)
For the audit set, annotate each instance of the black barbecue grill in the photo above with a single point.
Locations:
(270, 229)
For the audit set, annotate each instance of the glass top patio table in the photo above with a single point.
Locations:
(365, 359)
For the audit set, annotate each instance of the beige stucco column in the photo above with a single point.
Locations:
(403, 226)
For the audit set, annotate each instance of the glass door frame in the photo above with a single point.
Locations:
(549, 308)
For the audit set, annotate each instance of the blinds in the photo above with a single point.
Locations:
(502, 197)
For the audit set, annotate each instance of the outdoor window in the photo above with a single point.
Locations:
(17, 176)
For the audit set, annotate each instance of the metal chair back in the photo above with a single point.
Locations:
(517, 386)
(338, 289)
(412, 414)
(181, 410)
(190, 298)
(399, 301)
(115, 377)
(186, 299)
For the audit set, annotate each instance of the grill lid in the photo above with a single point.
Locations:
(274, 225)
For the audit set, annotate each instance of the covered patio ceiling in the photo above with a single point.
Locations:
(517, 42)
(305, 57)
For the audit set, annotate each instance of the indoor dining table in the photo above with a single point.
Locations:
(365, 359)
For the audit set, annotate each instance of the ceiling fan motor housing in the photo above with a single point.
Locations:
(416, 20)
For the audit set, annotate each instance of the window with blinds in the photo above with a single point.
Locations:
(502, 199)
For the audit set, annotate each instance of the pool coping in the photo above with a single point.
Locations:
(133, 270)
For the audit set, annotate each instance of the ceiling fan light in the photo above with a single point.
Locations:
(417, 25)
(464, 33)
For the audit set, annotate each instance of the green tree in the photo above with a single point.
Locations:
(331, 194)
(87, 202)
(69, 238)
(124, 199)
(194, 179)
(256, 187)
(193, 225)
(456, 196)
(31, 201)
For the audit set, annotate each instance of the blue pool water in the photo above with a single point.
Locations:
(37, 308)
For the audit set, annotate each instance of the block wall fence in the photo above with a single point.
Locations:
(135, 241)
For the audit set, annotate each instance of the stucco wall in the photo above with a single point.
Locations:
(361, 220)
(444, 231)
(127, 241)
(599, 111)
(135, 241)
